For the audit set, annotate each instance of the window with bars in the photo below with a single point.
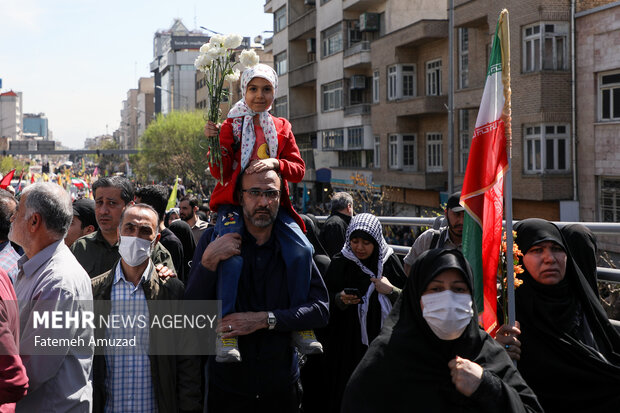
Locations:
(279, 62)
(546, 148)
(279, 19)
(433, 78)
(331, 40)
(280, 107)
(355, 137)
(463, 57)
(609, 96)
(545, 47)
(609, 199)
(434, 152)
(333, 139)
(350, 159)
(465, 139)
(332, 96)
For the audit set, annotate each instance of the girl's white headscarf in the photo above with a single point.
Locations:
(369, 224)
(241, 109)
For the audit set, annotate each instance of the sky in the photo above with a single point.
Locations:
(75, 60)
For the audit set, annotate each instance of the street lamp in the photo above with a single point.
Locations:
(175, 94)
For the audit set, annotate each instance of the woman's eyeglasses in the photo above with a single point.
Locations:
(270, 194)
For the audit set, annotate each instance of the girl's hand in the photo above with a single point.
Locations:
(382, 285)
(211, 129)
(262, 165)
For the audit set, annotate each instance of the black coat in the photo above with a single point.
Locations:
(333, 234)
(406, 367)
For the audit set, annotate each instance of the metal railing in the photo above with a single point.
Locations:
(601, 228)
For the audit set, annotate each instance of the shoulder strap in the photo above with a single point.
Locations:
(435, 240)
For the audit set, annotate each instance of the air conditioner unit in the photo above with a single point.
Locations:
(309, 2)
(369, 22)
(357, 82)
(311, 45)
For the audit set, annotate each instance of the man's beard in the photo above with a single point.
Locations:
(262, 221)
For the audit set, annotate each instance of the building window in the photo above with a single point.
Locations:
(394, 158)
(401, 81)
(355, 35)
(465, 138)
(610, 200)
(355, 137)
(463, 57)
(392, 78)
(280, 107)
(609, 96)
(333, 139)
(545, 46)
(332, 96)
(546, 148)
(433, 78)
(409, 152)
(331, 40)
(350, 159)
(377, 152)
(279, 19)
(279, 62)
(434, 155)
(375, 86)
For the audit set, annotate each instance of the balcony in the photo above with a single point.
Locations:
(357, 55)
(358, 5)
(303, 24)
(302, 75)
(360, 109)
(268, 7)
(304, 123)
(423, 105)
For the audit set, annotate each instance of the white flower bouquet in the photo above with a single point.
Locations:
(216, 60)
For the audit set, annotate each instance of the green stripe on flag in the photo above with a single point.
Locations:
(495, 61)
(472, 249)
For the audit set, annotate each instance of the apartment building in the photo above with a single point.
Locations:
(598, 113)
(368, 90)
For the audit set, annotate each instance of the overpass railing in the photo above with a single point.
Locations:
(599, 228)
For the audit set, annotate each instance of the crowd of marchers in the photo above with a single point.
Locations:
(314, 318)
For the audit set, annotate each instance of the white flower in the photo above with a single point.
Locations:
(205, 48)
(232, 41)
(203, 62)
(217, 40)
(233, 77)
(248, 58)
(215, 52)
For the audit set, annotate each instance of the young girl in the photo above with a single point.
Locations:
(253, 140)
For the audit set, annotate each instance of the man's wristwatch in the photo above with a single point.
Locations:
(271, 320)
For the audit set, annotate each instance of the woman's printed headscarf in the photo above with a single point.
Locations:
(369, 224)
(241, 110)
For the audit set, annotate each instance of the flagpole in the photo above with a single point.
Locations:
(507, 114)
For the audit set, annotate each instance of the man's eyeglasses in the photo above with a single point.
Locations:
(270, 194)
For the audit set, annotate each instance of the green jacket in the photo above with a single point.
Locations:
(97, 256)
(176, 379)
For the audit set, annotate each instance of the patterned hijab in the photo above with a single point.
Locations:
(369, 224)
(242, 115)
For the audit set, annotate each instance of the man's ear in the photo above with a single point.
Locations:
(88, 229)
(34, 222)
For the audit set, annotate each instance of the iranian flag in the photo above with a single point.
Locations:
(482, 190)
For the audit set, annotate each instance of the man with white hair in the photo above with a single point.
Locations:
(50, 278)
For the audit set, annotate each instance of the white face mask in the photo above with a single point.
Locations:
(134, 250)
(447, 313)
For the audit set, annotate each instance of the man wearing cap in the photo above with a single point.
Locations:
(446, 237)
(84, 221)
